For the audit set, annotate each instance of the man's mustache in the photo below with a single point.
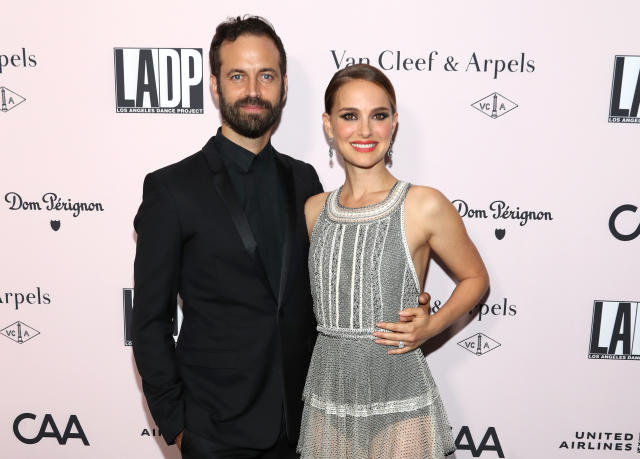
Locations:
(255, 101)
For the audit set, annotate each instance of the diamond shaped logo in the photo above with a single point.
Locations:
(494, 105)
(19, 332)
(9, 99)
(479, 344)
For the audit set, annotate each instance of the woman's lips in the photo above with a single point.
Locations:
(364, 147)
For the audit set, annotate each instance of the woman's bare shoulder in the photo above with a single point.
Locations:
(312, 209)
(314, 204)
(426, 200)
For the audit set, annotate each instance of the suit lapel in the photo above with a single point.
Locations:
(286, 178)
(224, 188)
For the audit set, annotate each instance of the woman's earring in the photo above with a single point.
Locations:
(332, 149)
(390, 150)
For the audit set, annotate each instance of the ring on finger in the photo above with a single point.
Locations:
(400, 344)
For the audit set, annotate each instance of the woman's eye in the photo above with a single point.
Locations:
(381, 116)
(348, 116)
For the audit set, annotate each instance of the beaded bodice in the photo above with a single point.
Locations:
(360, 266)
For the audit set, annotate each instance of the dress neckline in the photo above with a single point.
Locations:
(368, 206)
(340, 213)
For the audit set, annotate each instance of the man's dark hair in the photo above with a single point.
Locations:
(232, 28)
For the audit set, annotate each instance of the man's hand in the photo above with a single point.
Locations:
(179, 440)
(412, 329)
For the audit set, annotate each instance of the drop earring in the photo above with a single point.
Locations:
(390, 150)
(332, 149)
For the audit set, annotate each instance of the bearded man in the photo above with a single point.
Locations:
(225, 229)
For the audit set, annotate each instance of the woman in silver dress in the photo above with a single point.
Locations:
(370, 243)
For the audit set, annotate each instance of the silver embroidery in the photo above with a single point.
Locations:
(372, 409)
(361, 402)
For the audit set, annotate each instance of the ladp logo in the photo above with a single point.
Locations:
(613, 223)
(615, 330)
(489, 442)
(625, 90)
(158, 80)
(48, 429)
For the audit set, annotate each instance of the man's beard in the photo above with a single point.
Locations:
(252, 125)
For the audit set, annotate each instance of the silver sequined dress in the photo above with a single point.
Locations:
(361, 402)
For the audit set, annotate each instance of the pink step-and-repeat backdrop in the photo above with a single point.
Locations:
(525, 114)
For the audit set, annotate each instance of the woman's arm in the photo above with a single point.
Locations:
(312, 209)
(432, 223)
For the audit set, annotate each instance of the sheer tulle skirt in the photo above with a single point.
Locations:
(361, 402)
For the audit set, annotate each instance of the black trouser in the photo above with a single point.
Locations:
(196, 447)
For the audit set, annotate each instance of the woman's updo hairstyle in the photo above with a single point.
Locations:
(358, 72)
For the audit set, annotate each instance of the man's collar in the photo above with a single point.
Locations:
(240, 156)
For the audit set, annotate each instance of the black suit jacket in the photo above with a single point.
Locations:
(243, 353)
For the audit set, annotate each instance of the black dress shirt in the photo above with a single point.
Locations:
(260, 191)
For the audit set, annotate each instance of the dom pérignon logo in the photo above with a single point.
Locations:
(158, 80)
(625, 90)
(500, 210)
(51, 202)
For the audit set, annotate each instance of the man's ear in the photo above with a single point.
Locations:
(285, 87)
(213, 86)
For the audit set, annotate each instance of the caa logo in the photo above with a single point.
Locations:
(613, 223)
(127, 305)
(625, 90)
(489, 442)
(49, 429)
(158, 80)
(615, 333)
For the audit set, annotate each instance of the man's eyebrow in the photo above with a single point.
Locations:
(235, 71)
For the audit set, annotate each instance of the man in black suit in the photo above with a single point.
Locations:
(225, 229)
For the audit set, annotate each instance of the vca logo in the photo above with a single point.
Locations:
(48, 428)
(494, 105)
(9, 99)
(158, 80)
(489, 442)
